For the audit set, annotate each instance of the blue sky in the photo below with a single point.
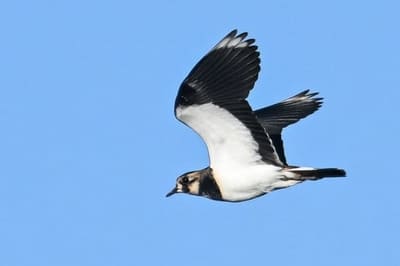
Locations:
(89, 144)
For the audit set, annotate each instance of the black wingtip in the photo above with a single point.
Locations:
(233, 39)
(306, 93)
(242, 35)
(231, 34)
(307, 96)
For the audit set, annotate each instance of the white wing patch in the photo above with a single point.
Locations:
(229, 142)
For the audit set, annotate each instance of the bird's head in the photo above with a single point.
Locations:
(187, 183)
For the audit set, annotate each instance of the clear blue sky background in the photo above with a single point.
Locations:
(89, 144)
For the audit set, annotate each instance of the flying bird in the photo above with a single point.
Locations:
(245, 147)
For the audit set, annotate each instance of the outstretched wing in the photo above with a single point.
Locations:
(278, 116)
(212, 101)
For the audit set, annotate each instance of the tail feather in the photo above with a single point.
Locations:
(315, 174)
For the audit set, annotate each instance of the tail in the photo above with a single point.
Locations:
(305, 173)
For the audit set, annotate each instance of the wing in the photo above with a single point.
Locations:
(278, 116)
(212, 101)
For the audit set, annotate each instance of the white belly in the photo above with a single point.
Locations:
(251, 181)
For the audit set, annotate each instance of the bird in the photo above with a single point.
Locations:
(245, 147)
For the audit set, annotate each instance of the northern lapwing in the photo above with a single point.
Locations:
(244, 146)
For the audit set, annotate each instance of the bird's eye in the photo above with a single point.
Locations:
(185, 180)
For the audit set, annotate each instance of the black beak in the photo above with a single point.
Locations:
(172, 192)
